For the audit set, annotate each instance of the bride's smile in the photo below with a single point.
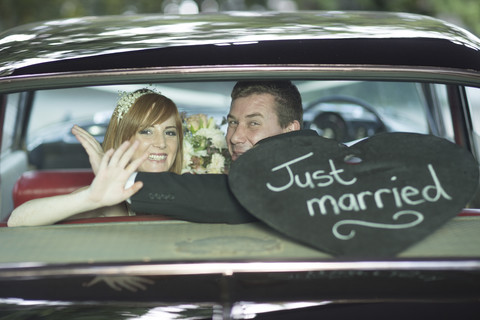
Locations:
(160, 141)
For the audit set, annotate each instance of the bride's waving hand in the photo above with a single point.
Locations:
(107, 189)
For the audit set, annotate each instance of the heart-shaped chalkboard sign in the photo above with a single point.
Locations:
(372, 199)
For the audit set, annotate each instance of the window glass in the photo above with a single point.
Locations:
(367, 107)
(11, 113)
(441, 112)
(63, 105)
(473, 96)
(399, 105)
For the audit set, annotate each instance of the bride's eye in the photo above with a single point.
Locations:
(171, 133)
(146, 131)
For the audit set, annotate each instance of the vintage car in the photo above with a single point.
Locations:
(360, 74)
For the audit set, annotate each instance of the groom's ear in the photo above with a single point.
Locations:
(293, 126)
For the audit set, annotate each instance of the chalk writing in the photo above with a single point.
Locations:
(325, 179)
(355, 202)
(418, 220)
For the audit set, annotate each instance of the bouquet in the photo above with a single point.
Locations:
(204, 147)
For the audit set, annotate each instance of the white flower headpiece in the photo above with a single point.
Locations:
(126, 101)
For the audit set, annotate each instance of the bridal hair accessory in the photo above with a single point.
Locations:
(127, 99)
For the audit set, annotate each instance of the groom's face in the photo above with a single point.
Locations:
(251, 119)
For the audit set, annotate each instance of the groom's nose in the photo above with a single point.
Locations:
(239, 135)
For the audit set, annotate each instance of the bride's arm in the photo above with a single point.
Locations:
(45, 211)
(107, 189)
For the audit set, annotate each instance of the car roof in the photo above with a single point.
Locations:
(245, 38)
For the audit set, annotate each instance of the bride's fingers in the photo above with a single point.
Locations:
(117, 155)
(126, 157)
(105, 160)
(133, 166)
(78, 129)
(89, 143)
(81, 133)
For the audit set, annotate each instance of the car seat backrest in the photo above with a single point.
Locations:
(46, 183)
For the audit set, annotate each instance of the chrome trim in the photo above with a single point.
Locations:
(211, 73)
(232, 268)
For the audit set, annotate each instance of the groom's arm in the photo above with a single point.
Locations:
(198, 198)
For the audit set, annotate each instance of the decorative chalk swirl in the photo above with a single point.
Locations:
(418, 220)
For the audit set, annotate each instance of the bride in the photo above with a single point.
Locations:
(146, 132)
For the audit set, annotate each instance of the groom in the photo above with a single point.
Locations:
(259, 109)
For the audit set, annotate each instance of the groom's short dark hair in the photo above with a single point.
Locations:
(288, 102)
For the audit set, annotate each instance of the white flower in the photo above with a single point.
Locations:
(217, 164)
(200, 170)
(218, 141)
(187, 155)
(187, 147)
(200, 153)
(205, 132)
(197, 121)
(215, 135)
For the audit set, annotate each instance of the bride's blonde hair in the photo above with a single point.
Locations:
(148, 109)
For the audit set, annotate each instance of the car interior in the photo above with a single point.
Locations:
(41, 157)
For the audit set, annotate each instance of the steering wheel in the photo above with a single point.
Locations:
(331, 124)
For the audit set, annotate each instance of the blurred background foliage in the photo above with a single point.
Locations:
(465, 13)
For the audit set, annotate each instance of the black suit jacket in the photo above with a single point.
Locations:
(194, 197)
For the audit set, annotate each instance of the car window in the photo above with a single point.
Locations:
(11, 112)
(473, 96)
(367, 107)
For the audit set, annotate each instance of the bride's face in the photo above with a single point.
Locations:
(160, 142)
